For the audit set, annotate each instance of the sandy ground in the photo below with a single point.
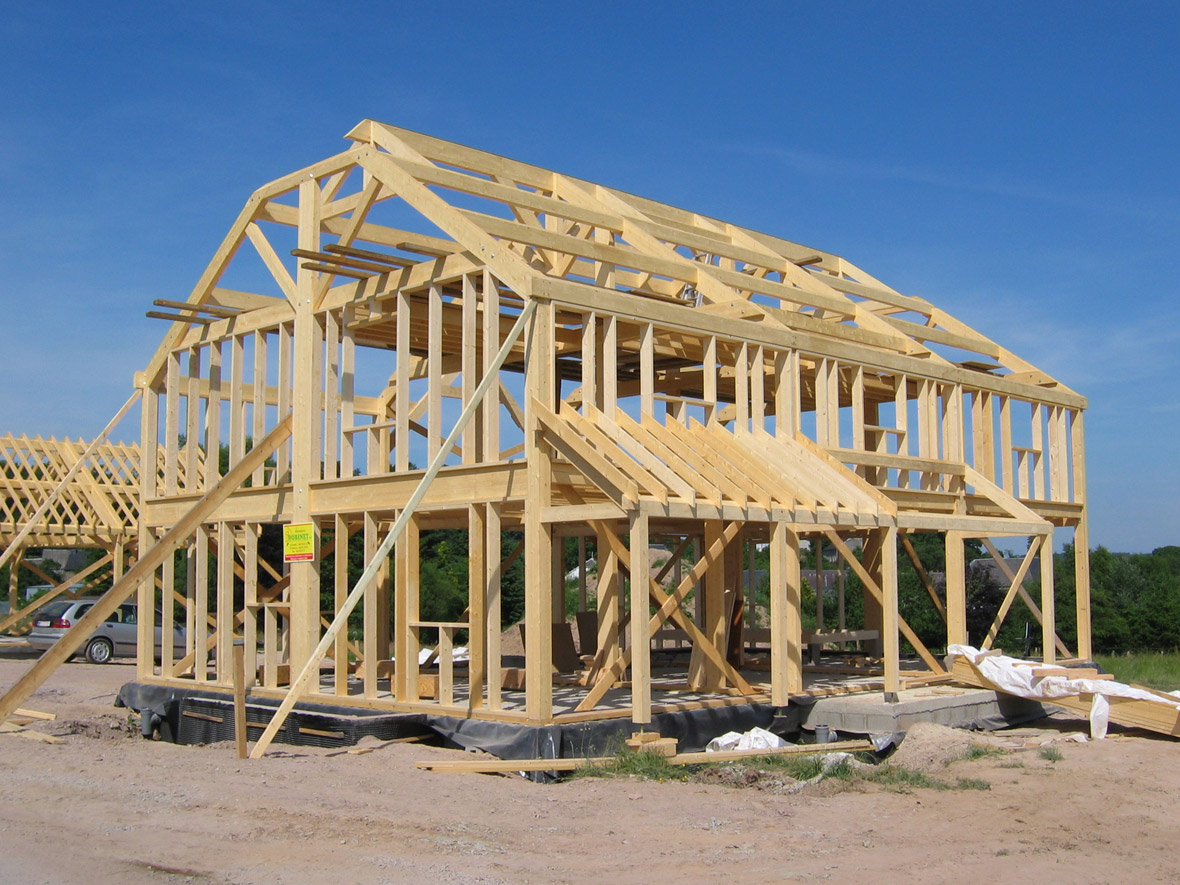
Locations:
(104, 805)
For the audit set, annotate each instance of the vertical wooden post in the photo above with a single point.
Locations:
(703, 673)
(840, 594)
(239, 682)
(259, 407)
(491, 344)
(373, 650)
(213, 418)
(493, 571)
(250, 599)
(646, 369)
(581, 574)
(557, 578)
(873, 612)
(192, 564)
(406, 594)
(590, 361)
(890, 639)
(477, 669)
(14, 580)
(171, 425)
(305, 455)
(331, 401)
(237, 402)
(823, 405)
(1006, 478)
(741, 389)
(640, 608)
(225, 601)
(167, 614)
(1081, 536)
(901, 420)
(200, 611)
(1048, 603)
(610, 367)
(433, 372)
(709, 381)
(786, 624)
(401, 402)
(1039, 461)
(817, 544)
(538, 545)
(751, 583)
(786, 394)
(192, 423)
(608, 596)
(472, 442)
(149, 454)
(956, 590)
(758, 388)
(286, 348)
(340, 590)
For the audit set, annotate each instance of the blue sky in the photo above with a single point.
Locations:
(1013, 162)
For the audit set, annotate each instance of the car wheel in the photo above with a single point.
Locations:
(99, 651)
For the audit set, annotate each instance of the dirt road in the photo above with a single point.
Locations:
(104, 805)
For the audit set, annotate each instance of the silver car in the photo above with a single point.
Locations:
(116, 636)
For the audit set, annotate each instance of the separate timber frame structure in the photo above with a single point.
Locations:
(67, 494)
(633, 374)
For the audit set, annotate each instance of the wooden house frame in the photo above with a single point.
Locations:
(571, 361)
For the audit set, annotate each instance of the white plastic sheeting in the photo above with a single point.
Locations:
(1016, 676)
(754, 739)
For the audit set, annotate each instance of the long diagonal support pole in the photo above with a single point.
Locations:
(311, 668)
(40, 511)
(122, 589)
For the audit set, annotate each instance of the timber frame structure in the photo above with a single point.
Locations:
(572, 361)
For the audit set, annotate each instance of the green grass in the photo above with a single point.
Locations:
(902, 779)
(972, 783)
(1154, 669)
(1052, 754)
(644, 765)
(978, 751)
(801, 768)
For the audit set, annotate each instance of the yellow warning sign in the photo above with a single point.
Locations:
(299, 542)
